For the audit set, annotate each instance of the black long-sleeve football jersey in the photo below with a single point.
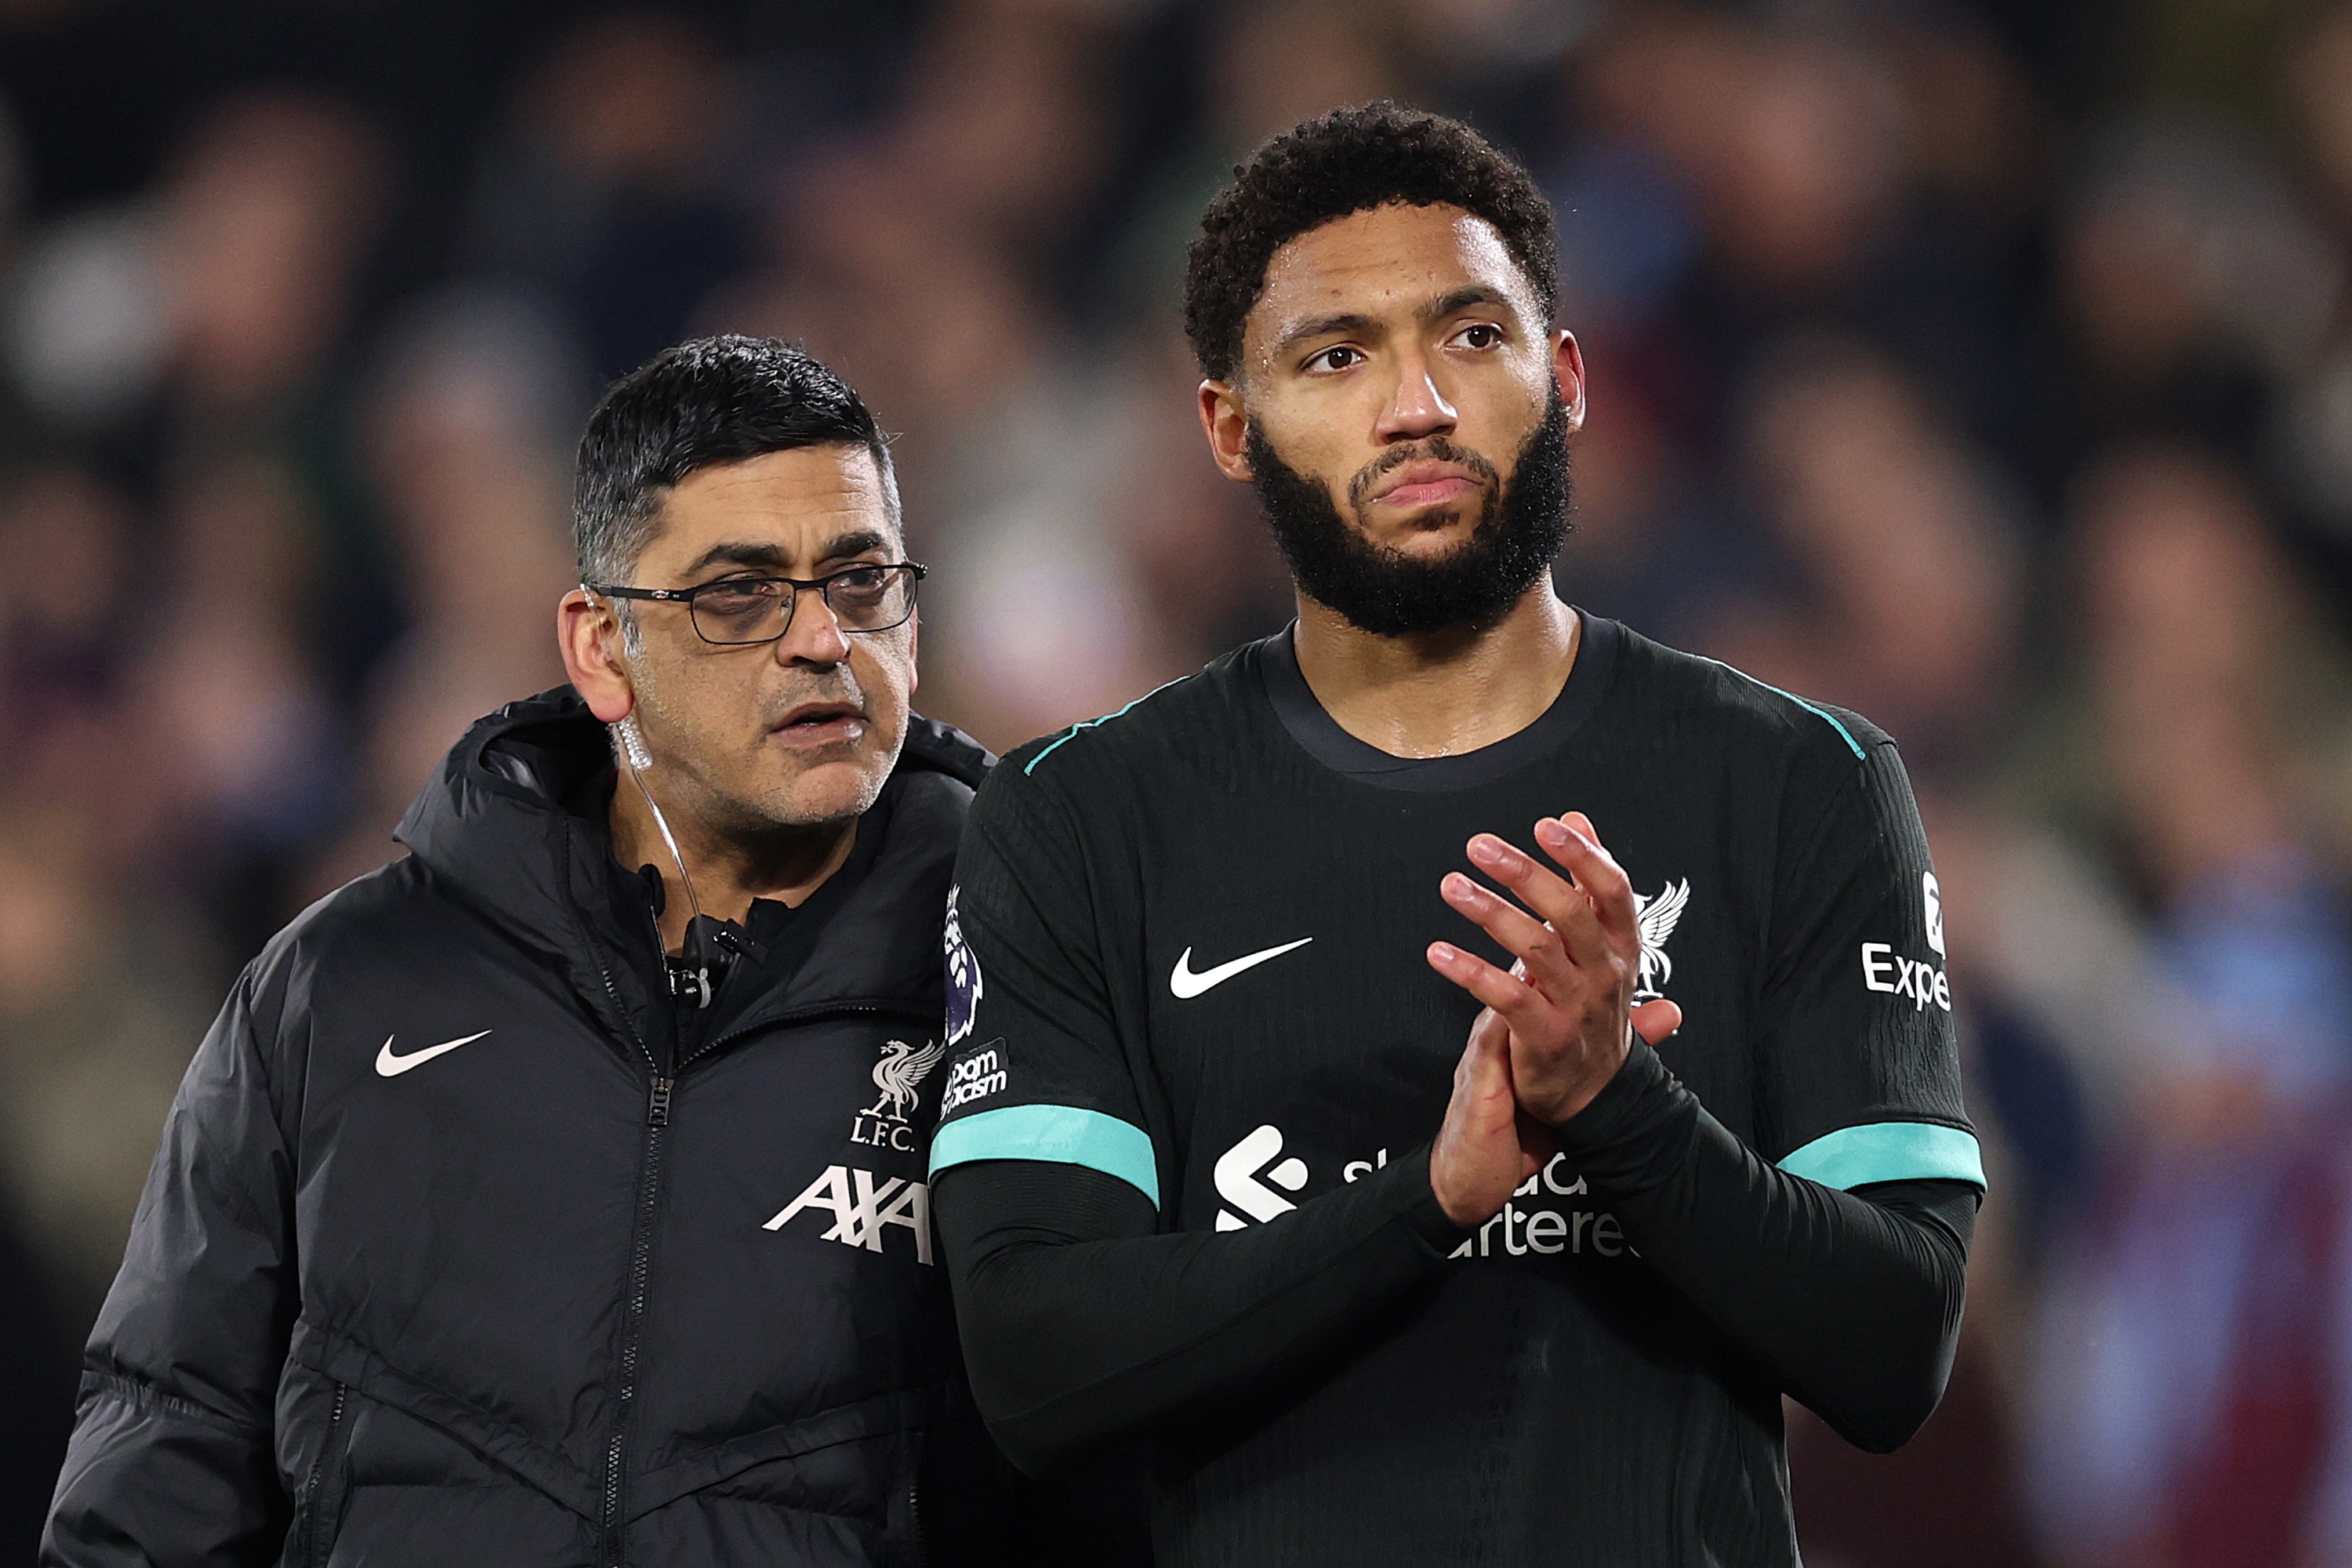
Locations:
(1186, 971)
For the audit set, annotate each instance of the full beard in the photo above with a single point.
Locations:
(1391, 594)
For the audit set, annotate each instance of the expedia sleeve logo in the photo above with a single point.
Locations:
(964, 986)
(1917, 980)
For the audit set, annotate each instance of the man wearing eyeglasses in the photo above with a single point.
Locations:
(556, 1195)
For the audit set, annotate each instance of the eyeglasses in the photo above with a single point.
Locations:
(736, 612)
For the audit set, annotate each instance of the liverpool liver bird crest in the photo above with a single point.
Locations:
(900, 1073)
(1656, 917)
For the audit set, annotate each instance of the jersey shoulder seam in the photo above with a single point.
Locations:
(1824, 714)
(1855, 734)
(1029, 768)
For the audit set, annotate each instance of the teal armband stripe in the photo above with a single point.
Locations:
(1889, 1152)
(1064, 1135)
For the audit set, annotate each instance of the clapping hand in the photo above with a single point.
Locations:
(1557, 1026)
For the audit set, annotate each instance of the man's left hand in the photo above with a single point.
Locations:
(1569, 1000)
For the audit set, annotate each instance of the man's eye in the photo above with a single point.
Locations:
(1480, 335)
(1338, 357)
(737, 595)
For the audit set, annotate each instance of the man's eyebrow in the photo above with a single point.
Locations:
(775, 558)
(741, 553)
(1350, 325)
(855, 543)
(1462, 300)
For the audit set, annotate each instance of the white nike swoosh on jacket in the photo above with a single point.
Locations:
(391, 1066)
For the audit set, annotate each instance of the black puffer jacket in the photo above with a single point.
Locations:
(467, 1244)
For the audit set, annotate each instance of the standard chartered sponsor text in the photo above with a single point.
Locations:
(1519, 1230)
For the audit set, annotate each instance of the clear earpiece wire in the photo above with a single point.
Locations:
(629, 742)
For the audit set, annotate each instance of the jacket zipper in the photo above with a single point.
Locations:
(641, 1250)
(641, 1246)
(318, 1470)
(658, 1107)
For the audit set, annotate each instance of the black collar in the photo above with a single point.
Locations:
(1320, 735)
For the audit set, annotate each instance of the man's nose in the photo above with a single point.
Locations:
(815, 635)
(1417, 407)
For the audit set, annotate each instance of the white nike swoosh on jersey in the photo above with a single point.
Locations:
(1187, 985)
(391, 1066)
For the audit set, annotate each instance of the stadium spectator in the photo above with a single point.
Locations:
(608, 188)
(2185, 1385)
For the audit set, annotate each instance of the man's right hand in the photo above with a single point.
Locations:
(1487, 1146)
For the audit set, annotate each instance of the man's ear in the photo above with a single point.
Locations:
(588, 631)
(914, 647)
(1226, 424)
(1568, 370)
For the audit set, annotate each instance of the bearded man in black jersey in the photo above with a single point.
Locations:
(1218, 1178)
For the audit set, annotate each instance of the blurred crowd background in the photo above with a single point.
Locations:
(1983, 366)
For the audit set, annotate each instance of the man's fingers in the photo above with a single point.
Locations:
(1566, 907)
(1519, 1005)
(1570, 840)
(1536, 946)
(1655, 1019)
(1595, 870)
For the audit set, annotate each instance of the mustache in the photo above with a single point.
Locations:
(1435, 449)
(838, 684)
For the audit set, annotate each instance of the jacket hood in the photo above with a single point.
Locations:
(495, 827)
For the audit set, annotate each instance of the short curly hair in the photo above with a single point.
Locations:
(1347, 161)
